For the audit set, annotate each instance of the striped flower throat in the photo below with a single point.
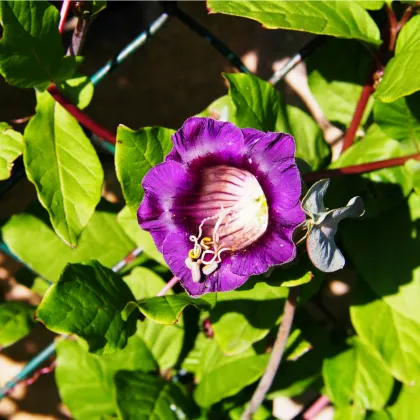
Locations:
(231, 213)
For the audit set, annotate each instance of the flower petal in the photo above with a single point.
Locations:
(162, 185)
(267, 151)
(274, 248)
(204, 140)
(175, 249)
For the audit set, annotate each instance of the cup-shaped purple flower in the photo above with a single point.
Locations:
(224, 204)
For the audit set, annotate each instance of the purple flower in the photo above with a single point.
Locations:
(224, 204)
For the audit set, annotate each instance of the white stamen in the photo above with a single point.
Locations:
(208, 269)
(195, 271)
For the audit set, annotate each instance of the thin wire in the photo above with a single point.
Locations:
(219, 45)
(303, 53)
(112, 64)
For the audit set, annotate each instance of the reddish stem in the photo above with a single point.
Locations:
(65, 8)
(80, 116)
(316, 407)
(358, 169)
(393, 28)
(168, 286)
(358, 114)
(405, 17)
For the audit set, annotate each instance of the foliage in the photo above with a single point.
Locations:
(135, 352)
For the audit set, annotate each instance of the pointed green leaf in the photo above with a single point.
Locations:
(64, 167)
(168, 309)
(31, 53)
(246, 315)
(128, 222)
(344, 19)
(406, 405)
(89, 301)
(85, 380)
(337, 87)
(396, 83)
(371, 4)
(144, 283)
(258, 104)
(380, 190)
(16, 321)
(221, 109)
(50, 255)
(229, 379)
(400, 120)
(136, 153)
(349, 412)
(394, 336)
(142, 396)
(357, 375)
(310, 144)
(79, 90)
(11, 146)
(384, 251)
(413, 169)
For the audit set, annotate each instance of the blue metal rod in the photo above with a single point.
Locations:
(208, 36)
(28, 368)
(129, 49)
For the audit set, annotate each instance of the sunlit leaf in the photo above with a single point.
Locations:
(89, 300)
(31, 53)
(11, 146)
(64, 167)
(16, 321)
(136, 153)
(338, 18)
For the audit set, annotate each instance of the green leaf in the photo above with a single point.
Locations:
(89, 301)
(413, 169)
(310, 144)
(64, 167)
(140, 237)
(207, 356)
(85, 380)
(392, 271)
(144, 283)
(16, 321)
(11, 146)
(102, 239)
(168, 309)
(357, 375)
(394, 336)
(79, 90)
(371, 4)
(344, 19)
(136, 153)
(337, 87)
(396, 83)
(258, 104)
(246, 315)
(406, 405)
(221, 109)
(164, 341)
(399, 121)
(31, 53)
(349, 412)
(380, 190)
(143, 396)
(227, 380)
